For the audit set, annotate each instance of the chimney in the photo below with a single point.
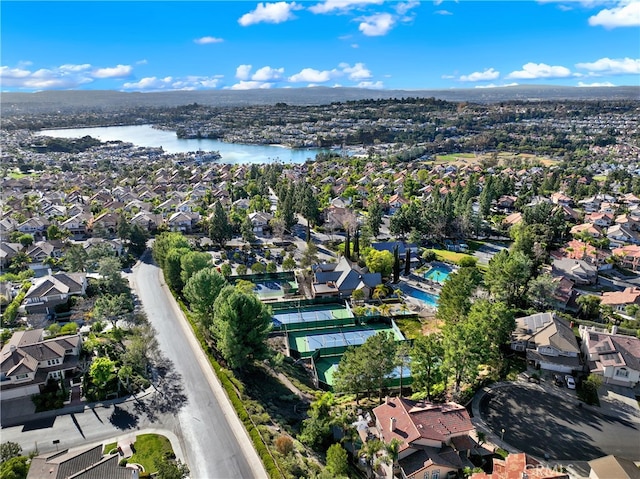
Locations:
(386, 400)
(392, 423)
(614, 329)
(12, 348)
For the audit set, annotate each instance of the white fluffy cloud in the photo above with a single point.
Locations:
(269, 13)
(625, 14)
(61, 77)
(356, 72)
(311, 75)
(442, 12)
(609, 66)
(531, 71)
(267, 74)
(251, 85)
(171, 83)
(207, 40)
(487, 74)
(329, 6)
(119, 71)
(243, 72)
(376, 25)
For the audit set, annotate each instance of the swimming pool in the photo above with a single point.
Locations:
(429, 299)
(438, 273)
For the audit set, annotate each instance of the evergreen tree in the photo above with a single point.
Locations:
(219, 227)
(240, 325)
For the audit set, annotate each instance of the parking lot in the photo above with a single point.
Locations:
(552, 423)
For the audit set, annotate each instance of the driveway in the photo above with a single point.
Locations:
(549, 424)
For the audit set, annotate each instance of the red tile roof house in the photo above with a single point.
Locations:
(28, 361)
(435, 437)
(629, 256)
(618, 300)
(613, 356)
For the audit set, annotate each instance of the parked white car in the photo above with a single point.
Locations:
(571, 384)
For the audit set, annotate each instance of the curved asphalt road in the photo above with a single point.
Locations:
(215, 442)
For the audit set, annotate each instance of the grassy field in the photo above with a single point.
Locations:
(450, 256)
(503, 158)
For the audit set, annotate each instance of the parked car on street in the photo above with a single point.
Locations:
(557, 380)
(571, 383)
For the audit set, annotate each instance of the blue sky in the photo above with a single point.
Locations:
(163, 45)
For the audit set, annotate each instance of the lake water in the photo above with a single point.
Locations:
(145, 135)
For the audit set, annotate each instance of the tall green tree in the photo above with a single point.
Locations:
(427, 355)
(201, 290)
(396, 264)
(508, 276)
(173, 268)
(165, 242)
(374, 217)
(138, 238)
(241, 324)
(455, 297)
(219, 228)
(192, 262)
(369, 366)
(309, 208)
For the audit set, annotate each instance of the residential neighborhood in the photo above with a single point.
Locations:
(390, 306)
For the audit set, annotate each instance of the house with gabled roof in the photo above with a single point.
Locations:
(434, 438)
(260, 221)
(50, 290)
(548, 341)
(577, 270)
(341, 279)
(28, 361)
(615, 357)
(86, 463)
(629, 256)
(35, 226)
(619, 300)
(8, 251)
(181, 221)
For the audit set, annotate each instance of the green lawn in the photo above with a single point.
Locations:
(148, 449)
(455, 157)
(450, 256)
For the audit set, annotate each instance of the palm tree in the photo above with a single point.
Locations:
(379, 292)
(393, 451)
(370, 449)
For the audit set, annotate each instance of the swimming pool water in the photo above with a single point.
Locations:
(438, 273)
(428, 298)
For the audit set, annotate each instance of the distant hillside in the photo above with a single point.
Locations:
(103, 100)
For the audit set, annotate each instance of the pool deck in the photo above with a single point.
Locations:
(425, 285)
